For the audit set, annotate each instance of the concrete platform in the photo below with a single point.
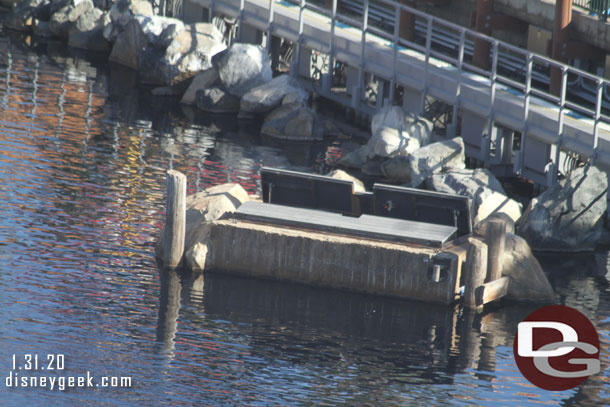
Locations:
(368, 226)
(332, 260)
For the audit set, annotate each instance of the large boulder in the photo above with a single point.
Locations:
(482, 187)
(216, 99)
(243, 67)
(22, 15)
(569, 215)
(191, 51)
(154, 27)
(203, 80)
(395, 132)
(129, 44)
(41, 29)
(87, 32)
(202, 209)
(342, 175)
(293, 121)
(121, 13)
(354, 159)
(64, 19)
(268, 96)
(527, 279)
(434, 158)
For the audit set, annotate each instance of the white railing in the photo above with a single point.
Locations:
(525, 79)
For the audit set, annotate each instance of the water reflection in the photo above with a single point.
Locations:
(83, 153)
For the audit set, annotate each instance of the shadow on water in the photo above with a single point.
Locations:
(78, 274)
(427, 343)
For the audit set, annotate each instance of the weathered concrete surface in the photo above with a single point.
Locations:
(330, 260)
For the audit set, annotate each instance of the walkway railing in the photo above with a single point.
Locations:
(523, 83)
(530, 71)
(596, 7)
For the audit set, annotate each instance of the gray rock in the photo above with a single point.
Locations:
(434, 158)
(217, 100)
(165, 91)
(354, 159)
(293, 122)
(168, 34)
(395, 132)
(202, 80)
(154, 27)
(151, 66)
(340, 174)
(41, 29)
(87, 32)
(482, 187)
(202, 209)
(9, 4)
(293, 97)
(481, 228)
(191, 51)
(268, 96)
(242, 68)
(64, 19)
(122, 13)
(57, 5)
(22, 16)
(128, 46)
(569, 215)
(527, 279)
(372, 167)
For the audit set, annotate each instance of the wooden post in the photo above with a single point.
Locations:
(482, 47)
(169, 306)
(175, 219)
(406, 26)
(561, 36)
(495, 237)
(476, 269)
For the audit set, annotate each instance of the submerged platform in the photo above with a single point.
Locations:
(367, 226)
(252, 242)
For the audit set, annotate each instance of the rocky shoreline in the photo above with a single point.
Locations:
(195, 62)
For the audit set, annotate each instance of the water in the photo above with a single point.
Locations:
(82, 162)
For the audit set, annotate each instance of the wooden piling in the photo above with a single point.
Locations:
(476, 269)
(495, 237)
(175, 219)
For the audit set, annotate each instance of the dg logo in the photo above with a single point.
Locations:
(556, 348)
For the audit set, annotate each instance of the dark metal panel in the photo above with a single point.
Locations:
(293, 188)
(423, 206)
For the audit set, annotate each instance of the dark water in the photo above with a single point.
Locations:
(82, 161)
